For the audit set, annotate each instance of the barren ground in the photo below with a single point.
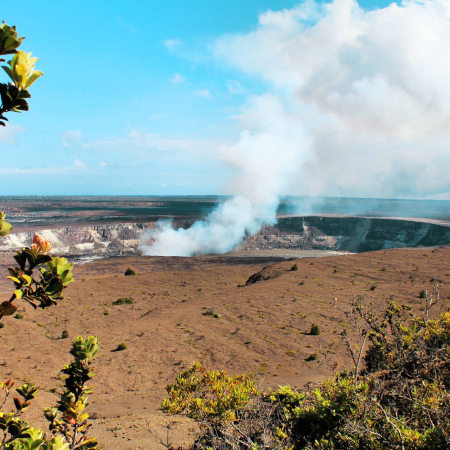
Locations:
(262, 329)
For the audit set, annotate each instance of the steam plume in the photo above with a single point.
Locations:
(360, 107)
(269, 150)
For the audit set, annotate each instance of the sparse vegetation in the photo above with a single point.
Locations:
(395, 396)
(210, 313)
(122, 346)
(399, 401)
(123, 301)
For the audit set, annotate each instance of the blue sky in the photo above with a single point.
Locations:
(133, 96)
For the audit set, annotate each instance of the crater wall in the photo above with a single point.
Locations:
(353, 234)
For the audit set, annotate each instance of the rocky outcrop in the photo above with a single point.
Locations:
(353, 234)
(266, 273)
(117, 239)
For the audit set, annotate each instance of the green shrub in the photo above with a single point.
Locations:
(129, 272)
(68, 419)
(210, 313)
(65, 334)
(2, 325)
(121, 346)
(123, 301)
(294, 267)
(18, 316)
(209, 396)
(399, 401)
(315, 330)
(69, 423)
(312, 357)
(423, 294)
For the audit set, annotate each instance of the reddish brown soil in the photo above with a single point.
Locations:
(263, 328)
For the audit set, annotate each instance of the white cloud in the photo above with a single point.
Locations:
(171, 44)
(79, 164)
(370, 86)
(103, 164)
(142, 144)
(71, 137)
(203, 93)
(9, 133)
(177, 78)
(234, 87)
(35, 170)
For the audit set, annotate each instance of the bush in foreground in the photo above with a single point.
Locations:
(69, 424)
(399, 401)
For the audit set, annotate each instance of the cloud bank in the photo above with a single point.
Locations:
(358, 104)
(371, 86)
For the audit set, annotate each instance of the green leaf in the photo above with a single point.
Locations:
(5, 228)
(16, 280)
(31, 256)
(66, 277)
(42, 259)
(9, 72)
(20, 258)
(54, 287)
(36, 444)
(28, 279)
(27, 391)
(24, 94)
(10, 43)
(36, 74)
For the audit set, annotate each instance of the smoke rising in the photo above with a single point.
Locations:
(270, 149)
(358, 106)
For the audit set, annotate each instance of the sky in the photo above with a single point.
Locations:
(148, 97)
